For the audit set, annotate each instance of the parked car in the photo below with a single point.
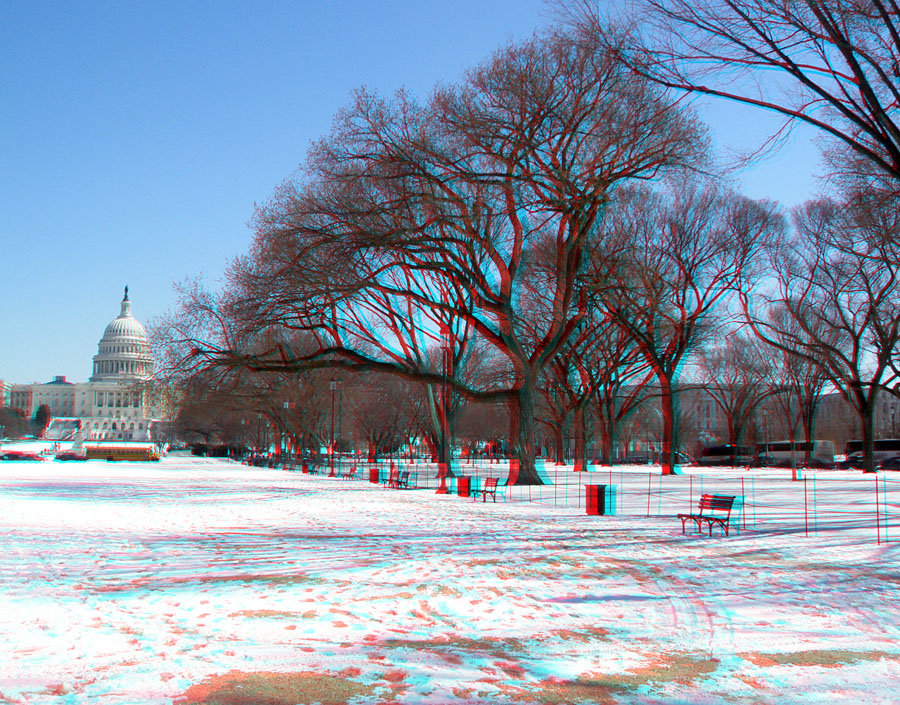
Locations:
(633, 460)
(19, 455)
(70, 455)
(680, 458)
(890, 463)
(727, 455)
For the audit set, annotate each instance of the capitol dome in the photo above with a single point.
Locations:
(124, 349)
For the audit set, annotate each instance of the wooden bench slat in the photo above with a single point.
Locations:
(711, 503)
(488, 488)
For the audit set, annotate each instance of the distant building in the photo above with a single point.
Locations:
(114, 404)
(5, 390)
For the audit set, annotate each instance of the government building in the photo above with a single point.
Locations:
(115, 404)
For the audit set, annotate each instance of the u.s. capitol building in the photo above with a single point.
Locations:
(115, 404)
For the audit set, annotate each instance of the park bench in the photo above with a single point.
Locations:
(393, 480)
(408, 479)
(713, 509)
(488, 487)
(400, 479)
(348, 474)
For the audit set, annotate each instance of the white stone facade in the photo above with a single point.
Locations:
(114, 404)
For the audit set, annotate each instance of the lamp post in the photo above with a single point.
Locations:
(332, 385)
(286, 441)
(893, 416)
(444, 461)
(340, 390)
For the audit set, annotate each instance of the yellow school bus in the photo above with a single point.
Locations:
(117, 453)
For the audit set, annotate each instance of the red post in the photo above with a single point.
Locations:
(579, 490)
(805, 508)
(649, 484)
(743, 505)
(877, 511)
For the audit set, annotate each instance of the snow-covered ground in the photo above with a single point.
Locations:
(201, 581)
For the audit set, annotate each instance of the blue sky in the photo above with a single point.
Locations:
(135, 138)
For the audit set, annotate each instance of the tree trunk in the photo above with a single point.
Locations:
(605, 441)
(810, 409)
(559, 443)
(440, 424)
(522, 437)
(670, 417)
(578, 427)
(868, 427)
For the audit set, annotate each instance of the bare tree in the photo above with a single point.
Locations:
(680, 256)
(621, 377)
(838, 302)
(379, 407)
(412, 217)
(830, 65)
(797, 383)
(735, 373)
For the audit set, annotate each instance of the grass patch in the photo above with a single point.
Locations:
(582, 636)
(683, 669)
(163, 583)
(816, 657)
(264, 614)
(269, 688)
(499, 648)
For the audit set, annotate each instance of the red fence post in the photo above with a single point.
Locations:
(877, 511)
(805, 508)
(649, 481)
(743, 504)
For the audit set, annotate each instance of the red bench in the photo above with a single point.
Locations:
(393, 480)
(488, 488)
(713, 509)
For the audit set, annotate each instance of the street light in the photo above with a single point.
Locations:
(444, 461)
(286, 443)
(340, 423)
(332, 386)
(893, 427)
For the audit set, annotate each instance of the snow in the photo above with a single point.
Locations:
(205, 581)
